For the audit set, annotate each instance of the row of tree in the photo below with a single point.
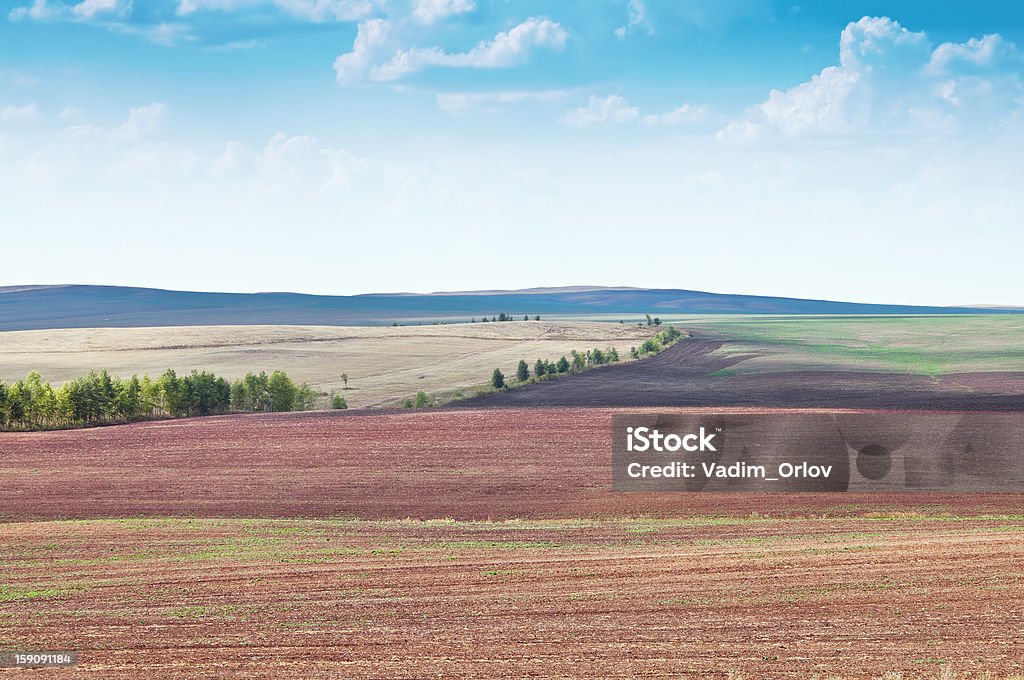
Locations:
(100, 398)
(545, 367)
(660, 341)
(588, 359)
(505, 317)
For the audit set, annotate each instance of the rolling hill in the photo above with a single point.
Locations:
(81, 306)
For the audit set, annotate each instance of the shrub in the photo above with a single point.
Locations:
(338, 402)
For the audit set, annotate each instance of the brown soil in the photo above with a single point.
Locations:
(460, 463)
(851, 598)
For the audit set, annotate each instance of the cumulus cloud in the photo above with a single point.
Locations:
(430, 11)
(600, 111)
(508, 48)
(987, 52)
(887, 79)
(371, 36)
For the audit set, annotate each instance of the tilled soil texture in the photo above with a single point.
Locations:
(427, 464)
(753, 598)
(690, 373)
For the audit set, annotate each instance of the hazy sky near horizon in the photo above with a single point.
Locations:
(865, 151)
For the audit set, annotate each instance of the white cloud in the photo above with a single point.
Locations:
(508, 48)
(686, 114)
(12, 113)
(874, 40)
(459, 102)
(615, 109)
(886, 80)
(141, 122)
(310, 10)
(371, 35)
(430, 11)
(636, 11)
(987, 52)
(38, 10)
(601, 110)
(87, 9)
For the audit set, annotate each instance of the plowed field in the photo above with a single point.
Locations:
(753, 598)
(566, 578)
(459, 463)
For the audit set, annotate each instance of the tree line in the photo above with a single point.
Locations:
(100, 398)
(504, 317)
(580, 361)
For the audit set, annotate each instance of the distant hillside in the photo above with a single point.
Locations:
(38, 307)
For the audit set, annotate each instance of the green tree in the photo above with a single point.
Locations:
(239, 396)
(579, 361)
(537, 317)
(421, 399)
(3, 405)
(344, 379)
(283, 392)
(597, 357)
(563, 365)
(497, 379)
(522, 371)
(540, 368)
(338, 402)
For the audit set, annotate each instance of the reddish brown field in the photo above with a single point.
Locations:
(565, 579)
(464, 464)
(753, 598)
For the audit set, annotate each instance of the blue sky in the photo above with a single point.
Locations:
(860, 151)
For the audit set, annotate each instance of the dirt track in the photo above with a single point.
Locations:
(850, 598)
(684, 375)
(469, 464)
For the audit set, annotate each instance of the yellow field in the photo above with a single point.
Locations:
(384, 364)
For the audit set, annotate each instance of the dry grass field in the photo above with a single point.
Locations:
(384, 364)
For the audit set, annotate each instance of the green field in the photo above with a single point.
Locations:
(921, 345)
